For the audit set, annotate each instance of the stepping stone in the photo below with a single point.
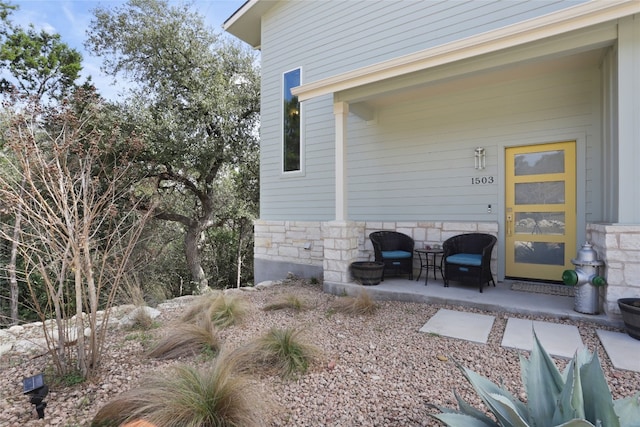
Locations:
(622, 350)
(557, 339)
(462, 325)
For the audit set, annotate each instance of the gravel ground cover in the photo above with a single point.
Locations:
(376, 370)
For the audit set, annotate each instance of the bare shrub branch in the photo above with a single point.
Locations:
(68, 175)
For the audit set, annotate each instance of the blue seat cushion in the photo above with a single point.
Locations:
(465, 259)
(395, 254)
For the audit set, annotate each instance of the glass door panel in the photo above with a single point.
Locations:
(540, 210)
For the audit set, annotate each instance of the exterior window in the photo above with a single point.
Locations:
(291, 123)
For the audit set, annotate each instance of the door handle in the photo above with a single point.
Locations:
(509, 224)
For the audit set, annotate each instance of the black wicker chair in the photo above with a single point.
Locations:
(467, 257)
(395, 250)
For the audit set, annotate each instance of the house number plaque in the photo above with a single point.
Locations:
(480, 180)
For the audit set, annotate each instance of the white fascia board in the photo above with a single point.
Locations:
(246, 22)
(242, 10)
(556, 23)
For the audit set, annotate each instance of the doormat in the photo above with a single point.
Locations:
(544, 288)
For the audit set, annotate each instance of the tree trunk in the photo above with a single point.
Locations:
(239, 255)
(13, 279)
(194, 258)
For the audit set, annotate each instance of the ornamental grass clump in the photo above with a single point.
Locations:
(187, 339)
(227, 310)
(141, 320)
(200, 305)
(287, 302)
(185, 396)
(362, 304)
(224, 310)
(577, 397)
(283, 350)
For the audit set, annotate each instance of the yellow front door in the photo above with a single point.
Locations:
(540, 210)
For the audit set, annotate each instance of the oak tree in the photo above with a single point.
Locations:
(196, 100)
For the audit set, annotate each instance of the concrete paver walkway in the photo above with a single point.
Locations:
(622, 350)
(462, 325)
(557, 339)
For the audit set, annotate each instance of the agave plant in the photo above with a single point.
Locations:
(577, 397)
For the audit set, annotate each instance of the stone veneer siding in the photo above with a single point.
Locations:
(287, 246)
(330, 247)
(618, 245)
(334, 245)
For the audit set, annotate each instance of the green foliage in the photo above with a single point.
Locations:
(186, 396)
(72, 378)
(223, 246)
(68, 379)
(196, 100)
(578, 397)
(160, 267)
(40, 64)
(5, 11)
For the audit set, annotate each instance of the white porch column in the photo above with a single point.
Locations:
(341, 111)
(629, 120)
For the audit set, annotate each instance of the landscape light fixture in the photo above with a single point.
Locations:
(479, 158)
(38, 390)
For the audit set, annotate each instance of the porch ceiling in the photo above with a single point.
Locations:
(379, 98)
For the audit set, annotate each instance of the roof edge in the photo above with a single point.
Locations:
(572, 18)
(246, 22)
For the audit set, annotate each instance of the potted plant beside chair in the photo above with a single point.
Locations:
(630, 310)
(367, 272)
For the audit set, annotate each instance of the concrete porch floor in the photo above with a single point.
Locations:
(498, 299)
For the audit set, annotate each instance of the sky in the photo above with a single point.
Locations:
(71, 19)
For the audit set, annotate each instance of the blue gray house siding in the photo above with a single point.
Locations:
(409, 163)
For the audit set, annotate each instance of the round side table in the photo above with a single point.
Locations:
(428, 259)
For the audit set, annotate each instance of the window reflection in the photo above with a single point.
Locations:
(547, 253)
(540, 193)
(550, 223)
(539, 163)
(291, 122)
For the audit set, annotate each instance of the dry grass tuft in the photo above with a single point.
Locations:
(187, 339)
(222, 309)
(227, 310)
(141, 320)
(187, 396)
(362, 304)
(200, 305)
(131, 293)
(287, 301)
(283, 350)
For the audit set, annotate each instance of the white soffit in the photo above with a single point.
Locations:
(570, 19)
(245, 23)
